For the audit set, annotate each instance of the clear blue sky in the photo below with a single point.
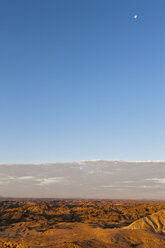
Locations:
(82, 79)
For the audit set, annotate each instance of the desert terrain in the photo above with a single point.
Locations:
(82, 223)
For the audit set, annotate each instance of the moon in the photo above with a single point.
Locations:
(135, 16)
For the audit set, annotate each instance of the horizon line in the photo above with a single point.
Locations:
(79, 198)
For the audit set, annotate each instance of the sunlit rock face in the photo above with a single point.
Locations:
(154, 223)
(84, 179)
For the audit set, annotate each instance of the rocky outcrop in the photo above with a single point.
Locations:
(9, 244)
(154, 223)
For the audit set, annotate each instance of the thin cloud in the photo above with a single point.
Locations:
(157, 180)
(20, 178)
(50, 180)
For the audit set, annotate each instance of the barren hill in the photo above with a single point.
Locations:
(154, 222)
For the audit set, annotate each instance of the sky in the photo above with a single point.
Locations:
(82, 80)
(86, 179)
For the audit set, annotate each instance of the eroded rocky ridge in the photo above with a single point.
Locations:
(154, 223)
